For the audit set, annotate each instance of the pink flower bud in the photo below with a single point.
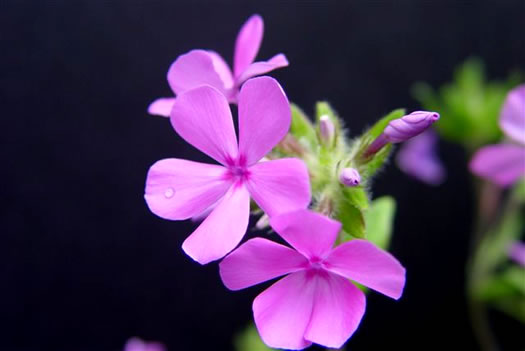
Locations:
(326, 128)
(350, 177)
(402, 129)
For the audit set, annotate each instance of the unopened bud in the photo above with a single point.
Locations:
(402, 129)
(263, 222)
(350, 177)
(326, 128)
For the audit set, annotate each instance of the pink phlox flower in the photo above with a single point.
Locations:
(204, 67)
(504, 163)
(136, 344)
(179, 189)
(315, 302)
(418, 158)
(517, 252)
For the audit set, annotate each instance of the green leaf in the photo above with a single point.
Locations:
(249, 340)
(302, 128)
(352, 219)
(379, 220)
(380, 125)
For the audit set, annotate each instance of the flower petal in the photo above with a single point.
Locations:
(264, 117)
(259, 260)
(178, 189)
(258, 68)
(282, 312)
(202, 117)
(365, 263)
(502, 164)
(512, 119)
(247, 43)
(161, 107)
(280, 186)
(338, 309)
(197, 68)
(222, 230)
(310, 233)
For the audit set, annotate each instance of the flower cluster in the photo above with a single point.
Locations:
(308, 181)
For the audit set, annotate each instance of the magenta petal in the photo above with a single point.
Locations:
(365, 263)
(179, 189)
(222, 230)
(310, 233)
(197, 68)
(512, 119)
(259, 260)
(264, 117)
(202, 117)
(280, 186)
(338, 309)
(516, 252)
(282, 312)
(258, 68)
(502, 164)
(161, 107)
(247, 44)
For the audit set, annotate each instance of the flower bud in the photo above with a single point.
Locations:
(326, 129)
(402, 129)
(350, 177)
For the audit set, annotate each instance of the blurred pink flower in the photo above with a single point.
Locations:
(315, 302)
(418, 158)
(179, 189)
(136, 344)
(204, 67)
(517, 252)
(504, 163)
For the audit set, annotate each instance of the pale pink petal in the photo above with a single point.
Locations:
(264, 117)
(512, 119)
(282, 312)
(310, 233)
(222, 230)
(365, 263)
(136, 344)
(280, 186)
(161, 107)
(258, 68)
(247, 44)
(179, 189)
(338, 308)
(197, 68)
(223, 70)
(259, 260)
(202, 117)
(502, 164)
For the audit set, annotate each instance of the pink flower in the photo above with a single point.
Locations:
(504, 163)
(178, 189)
(136, 344)
(204, 67)
(316, 302)
(516, 252)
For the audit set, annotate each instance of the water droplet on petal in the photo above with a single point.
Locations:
(169, 193)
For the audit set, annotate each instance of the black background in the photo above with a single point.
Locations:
(84, 265)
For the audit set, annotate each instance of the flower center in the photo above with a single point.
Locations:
(316, 264)
(238, 173)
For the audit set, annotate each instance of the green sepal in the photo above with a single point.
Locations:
(380, 125)
(376, 162)
(302, 128)
(356, 196)
(352, 219)
(379, 219)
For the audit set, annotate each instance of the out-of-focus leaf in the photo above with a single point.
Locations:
(379, 219)
(302, 128)
(249, 340)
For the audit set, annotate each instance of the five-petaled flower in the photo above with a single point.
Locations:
(316, 302)
(178, 189)
(504, 163)
(204, 67)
